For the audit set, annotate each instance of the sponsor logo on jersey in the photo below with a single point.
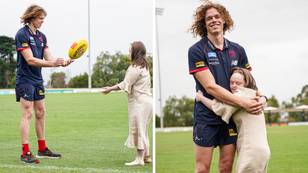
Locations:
(232, 132)
(212, 55)
(25, 45)
(234, 62)
(41, 92)
(199, 64)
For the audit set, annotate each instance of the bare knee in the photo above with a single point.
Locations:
(40, 113)
(27, 113)
(202, 168)
(225, 165)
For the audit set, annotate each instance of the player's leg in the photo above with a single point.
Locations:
(39, 107)
(26, 111)
(203, 156)
(228, 137)
(226, 158)
(205, 137)
(24, 95)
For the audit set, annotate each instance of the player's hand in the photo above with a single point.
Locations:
(59, 62)
(67, 62)
(106, 90)
(253, 106)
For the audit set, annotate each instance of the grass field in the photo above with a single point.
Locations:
(289, 151)
(89, 130)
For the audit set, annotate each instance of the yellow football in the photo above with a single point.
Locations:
(77, 49)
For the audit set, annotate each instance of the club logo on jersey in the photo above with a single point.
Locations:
(25, 45)
(199, 64)
(232, 132)
(234, 62)
(232, 53)
(212, 55)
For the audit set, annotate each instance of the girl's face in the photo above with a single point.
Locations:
(236, 81)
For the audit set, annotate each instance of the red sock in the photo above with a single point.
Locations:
(41, 145)
(25, 149)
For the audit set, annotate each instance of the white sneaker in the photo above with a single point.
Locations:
(135, 163)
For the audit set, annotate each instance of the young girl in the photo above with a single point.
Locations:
(137, 84)
(252, 146)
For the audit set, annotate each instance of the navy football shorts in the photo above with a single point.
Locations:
(206, 135)
(29, 92)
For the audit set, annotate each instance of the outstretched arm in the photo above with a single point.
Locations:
(108, 89)
(31, 60)
(49, 57)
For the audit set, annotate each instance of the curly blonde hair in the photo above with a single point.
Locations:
(198, 27)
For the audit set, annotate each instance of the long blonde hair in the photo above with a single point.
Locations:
(31, 13)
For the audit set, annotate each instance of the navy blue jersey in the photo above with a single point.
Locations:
(25, 39)
(204, 56)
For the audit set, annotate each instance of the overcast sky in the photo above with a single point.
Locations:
(114, 25)
(274, 34)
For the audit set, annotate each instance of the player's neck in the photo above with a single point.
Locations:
(32, 28)
(217, 40)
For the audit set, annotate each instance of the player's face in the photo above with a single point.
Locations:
(213, 22)
(236, 81)
(38, 21)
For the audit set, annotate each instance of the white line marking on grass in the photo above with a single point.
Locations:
(83, 170)
(174, 129)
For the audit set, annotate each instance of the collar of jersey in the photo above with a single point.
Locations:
(211, 45)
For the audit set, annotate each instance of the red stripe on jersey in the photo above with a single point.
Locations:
(22, 48)
(197, 70)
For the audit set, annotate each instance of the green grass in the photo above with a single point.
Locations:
(88, 129)
(289, 151)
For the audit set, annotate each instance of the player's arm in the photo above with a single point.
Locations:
(207, 80)
(49, 57)
(33, 61)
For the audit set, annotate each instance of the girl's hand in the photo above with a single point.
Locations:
(106, 90)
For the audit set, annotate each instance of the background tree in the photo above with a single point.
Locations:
(178, 112)
(110, 69)
(57, 80)
(272, 117)
(299, 99)
(7, 62)
(80, 81)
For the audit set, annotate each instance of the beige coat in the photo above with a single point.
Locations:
(252, 146)
(137, 83)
